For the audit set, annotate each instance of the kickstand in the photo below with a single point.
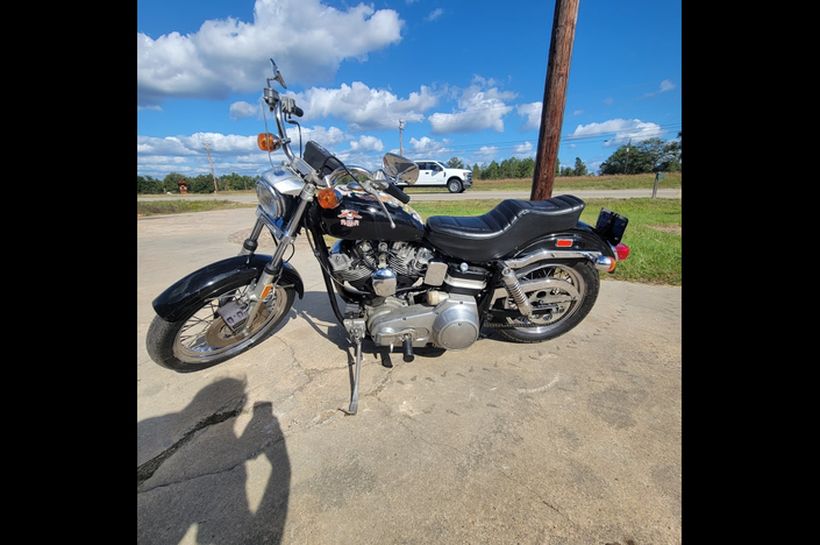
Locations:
(354, 399)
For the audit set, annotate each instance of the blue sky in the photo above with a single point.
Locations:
(468, 78)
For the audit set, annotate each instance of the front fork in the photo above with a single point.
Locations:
(264, 284)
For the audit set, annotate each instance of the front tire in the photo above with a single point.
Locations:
(454, 185)
(201, 339)
(582, 276)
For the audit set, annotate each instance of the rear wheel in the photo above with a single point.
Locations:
(557, 309)
(202, 339)
(454, 185)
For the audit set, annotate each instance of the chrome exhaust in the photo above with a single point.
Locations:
(605, 263)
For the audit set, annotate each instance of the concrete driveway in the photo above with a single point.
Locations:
(575, 441)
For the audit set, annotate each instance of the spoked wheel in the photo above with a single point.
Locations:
(203, 339)
(557, 308)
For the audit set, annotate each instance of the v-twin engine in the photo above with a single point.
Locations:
(452, 323)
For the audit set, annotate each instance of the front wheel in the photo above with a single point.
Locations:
(558, 309)
(202, 339)
(454, 185)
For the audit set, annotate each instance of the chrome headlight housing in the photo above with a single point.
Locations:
(271, 201)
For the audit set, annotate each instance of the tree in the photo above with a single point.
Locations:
(580, 168)
(170, 184)
(455, 162)
(476, 172)
(147, 184)
(566, 171)
(646, 156)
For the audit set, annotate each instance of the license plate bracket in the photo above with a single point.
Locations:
(233, 314)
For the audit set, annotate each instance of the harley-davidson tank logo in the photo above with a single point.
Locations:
(350, 218)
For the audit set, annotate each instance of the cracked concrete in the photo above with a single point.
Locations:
(574, 441)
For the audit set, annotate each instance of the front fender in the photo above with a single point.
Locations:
(187, 293)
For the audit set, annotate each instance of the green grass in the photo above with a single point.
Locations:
(653, 234)
(568, 183)
(180, 207)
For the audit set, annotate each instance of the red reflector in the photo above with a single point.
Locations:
(622, 250)
(564, 243)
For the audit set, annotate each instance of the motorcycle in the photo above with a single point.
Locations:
(528, 269)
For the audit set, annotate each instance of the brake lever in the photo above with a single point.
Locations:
(369, 188)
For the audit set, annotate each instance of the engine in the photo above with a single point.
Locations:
(399, 265)
(409, 294)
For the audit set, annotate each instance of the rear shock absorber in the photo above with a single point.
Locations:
(516, 291)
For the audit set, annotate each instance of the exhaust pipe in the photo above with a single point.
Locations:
(605, 263)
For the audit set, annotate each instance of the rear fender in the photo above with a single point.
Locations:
(187, 293)
(583, 237)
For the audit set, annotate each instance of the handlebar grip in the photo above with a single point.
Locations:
(297, 111)
(396, 191)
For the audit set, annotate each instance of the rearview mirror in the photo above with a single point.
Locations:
(402, 168)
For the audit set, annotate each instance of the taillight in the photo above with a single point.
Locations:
(622, 251)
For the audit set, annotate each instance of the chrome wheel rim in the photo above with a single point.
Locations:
(204, 336)
(563, 300)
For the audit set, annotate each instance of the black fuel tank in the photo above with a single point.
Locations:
(359, 217)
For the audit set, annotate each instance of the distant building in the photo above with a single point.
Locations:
(183, 186)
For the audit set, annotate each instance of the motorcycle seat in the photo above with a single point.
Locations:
(507, 227)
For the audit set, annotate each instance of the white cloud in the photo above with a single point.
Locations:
(622, 130)
(577, 112)
(666, 85)
(242, 109)
(523, 149)
(231, 152)
(435, 14)
(364, 107)
(367, 143)
(480, 108)
(428, 147)
(532, 111)
(309, 40)
(487, 152)
(326, 137)
(609, 101)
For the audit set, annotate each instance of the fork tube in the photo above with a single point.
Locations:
(272, 268)
(250, 244)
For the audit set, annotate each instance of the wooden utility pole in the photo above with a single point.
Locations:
(401, 137)
(555, 94)
(211, 163)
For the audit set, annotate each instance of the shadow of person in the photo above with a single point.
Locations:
(213, 485)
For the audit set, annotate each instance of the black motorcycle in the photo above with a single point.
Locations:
(526, 268)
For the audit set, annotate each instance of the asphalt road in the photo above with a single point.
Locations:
(435, 196)
(574, 441)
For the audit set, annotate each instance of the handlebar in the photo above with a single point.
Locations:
(396, 191)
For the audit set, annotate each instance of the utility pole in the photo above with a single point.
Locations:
(207, 146)
(628, 145)
(401, 137)
(555, 95)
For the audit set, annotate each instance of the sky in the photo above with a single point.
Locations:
(467, 77)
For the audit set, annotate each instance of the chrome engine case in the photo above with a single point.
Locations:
(452, 324)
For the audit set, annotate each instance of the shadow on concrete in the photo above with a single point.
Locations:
(198, 487)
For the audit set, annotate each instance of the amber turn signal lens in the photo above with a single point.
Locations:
(267, 142)
(328, 198)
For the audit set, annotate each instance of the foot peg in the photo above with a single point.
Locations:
(408, 351)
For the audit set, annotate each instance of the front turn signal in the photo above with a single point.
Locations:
(328, 197)
(268, 142)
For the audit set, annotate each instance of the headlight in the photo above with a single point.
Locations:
(271, 201)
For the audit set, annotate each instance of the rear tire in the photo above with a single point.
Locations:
(454, 185)
(587, 275)
(166, 347)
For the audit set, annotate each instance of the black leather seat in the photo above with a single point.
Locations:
(507, 227)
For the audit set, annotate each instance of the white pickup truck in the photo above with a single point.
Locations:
(436, 173)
